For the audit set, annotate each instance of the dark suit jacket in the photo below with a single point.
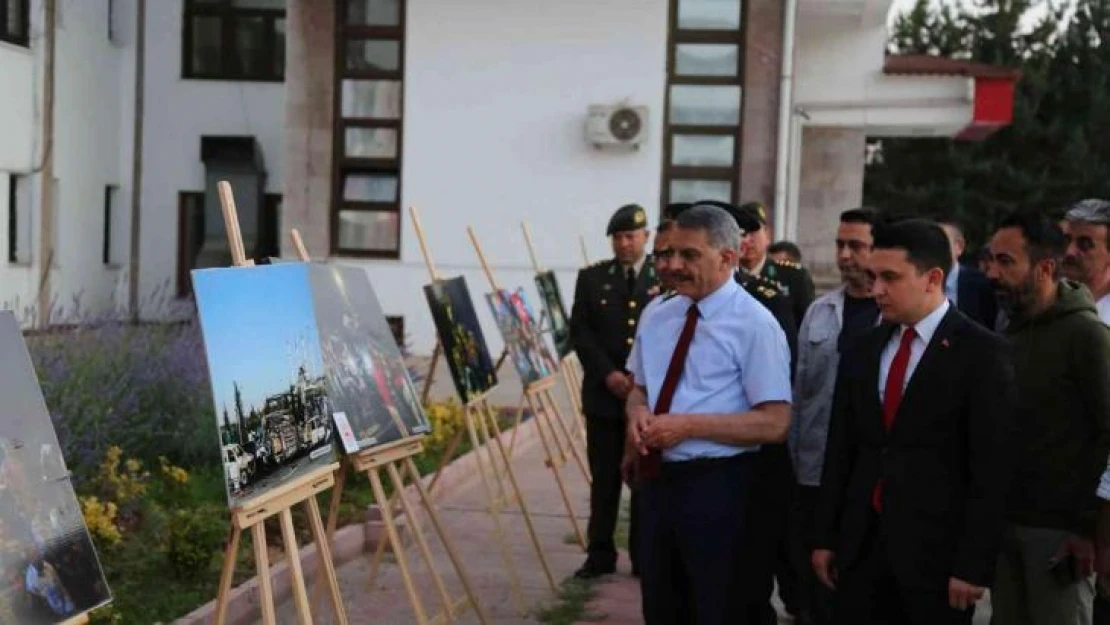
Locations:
(603, 323)
(944, 462)
(975, 297)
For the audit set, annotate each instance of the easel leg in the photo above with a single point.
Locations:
(555, 466)
(519, 497)
(293, 555)
(448, 545)
(495, 466)
(495, 504)
(430, 378)
(379, 550)
(262, 560)
(398, 551)
(446, 459)
(231, 554)
(333, 520)
(324, 557)
(519, 418)
(547, 398)
(421, 543)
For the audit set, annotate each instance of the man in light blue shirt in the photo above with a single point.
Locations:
(703, 410)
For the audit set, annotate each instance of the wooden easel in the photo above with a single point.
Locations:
(278, 502)
(546, 414)
(80, 619)
(571, 384)
(485, 435)
(396, 461)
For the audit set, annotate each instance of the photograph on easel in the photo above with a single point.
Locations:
(49, 570)
(368, 380)
(552, 298)
(464, 345)
(268, 384)
(529, 352)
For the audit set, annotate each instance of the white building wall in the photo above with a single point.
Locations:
(496, 95)
(177, 113)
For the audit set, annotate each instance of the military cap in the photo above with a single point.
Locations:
(1090, 212)
(757, 210)
(628, 217)
(674, 209)
(745, 220)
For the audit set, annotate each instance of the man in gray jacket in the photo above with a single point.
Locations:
(829, 326)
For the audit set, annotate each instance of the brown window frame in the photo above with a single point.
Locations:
(271, 205)
(228, 14)
(353, 165)
(16, 38)
(730, 173)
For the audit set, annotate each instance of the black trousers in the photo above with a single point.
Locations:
(604, 449)
(1102, 611)
(766, 554)
(692, 526)
(814, 598)
(869, 594)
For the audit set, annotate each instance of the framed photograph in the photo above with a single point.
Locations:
(367, 377)
(273, 406)
(521, 334)
(49, 570)
(464, 346)
(557, 320)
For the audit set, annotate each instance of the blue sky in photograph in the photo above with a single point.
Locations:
(254, 319)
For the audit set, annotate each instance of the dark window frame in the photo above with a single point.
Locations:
(13, 220)
(228, 14)
(344, 165)
(106, 251)
(729, 173)
(16, 38)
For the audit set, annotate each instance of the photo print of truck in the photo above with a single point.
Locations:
(367, 376)
(273, 409)
(49, 570)
(552, 298)
(459, 333)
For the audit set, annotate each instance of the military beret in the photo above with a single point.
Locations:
(628, 217)
(1090, 212)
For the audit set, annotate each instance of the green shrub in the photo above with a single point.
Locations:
(193, 537)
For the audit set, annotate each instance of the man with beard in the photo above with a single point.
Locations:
(1087, 261)
(834, 322)
(608, 299)
(1061, 354)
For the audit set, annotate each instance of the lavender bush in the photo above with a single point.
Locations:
(143, 387)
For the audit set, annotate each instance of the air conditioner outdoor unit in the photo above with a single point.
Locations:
(616, 126)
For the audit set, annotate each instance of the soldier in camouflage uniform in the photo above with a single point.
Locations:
(608, 299)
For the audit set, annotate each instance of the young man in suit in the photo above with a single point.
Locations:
(966, 286)
(913, 488)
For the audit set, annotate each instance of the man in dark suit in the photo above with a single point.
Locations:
(966, 286)
(913, 490)
(608, 299)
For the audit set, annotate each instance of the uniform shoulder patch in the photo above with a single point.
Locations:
(668, 295)
(789, 264)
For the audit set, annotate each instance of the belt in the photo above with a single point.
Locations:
(697, 466)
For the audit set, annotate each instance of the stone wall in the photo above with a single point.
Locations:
(831, 182)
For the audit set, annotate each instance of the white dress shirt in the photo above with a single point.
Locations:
(925, 330)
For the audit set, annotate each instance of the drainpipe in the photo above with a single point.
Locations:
(46, 173)
(137, 163)
(786, 104)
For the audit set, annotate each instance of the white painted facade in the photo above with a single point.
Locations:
(495, 100)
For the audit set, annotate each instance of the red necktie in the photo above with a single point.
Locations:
(650, 464)
(892, 397)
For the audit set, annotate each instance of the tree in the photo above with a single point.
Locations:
(239, 414)
(1053, 153)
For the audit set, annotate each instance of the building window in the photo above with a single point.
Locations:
(705, 61)
(234, 40)
(112, 251)
(19, 219)
(15, 21)
(191, 230)
(366, 216)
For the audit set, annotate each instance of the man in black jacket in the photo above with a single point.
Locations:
(966, 286)
(914, 484)
(608, 299)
